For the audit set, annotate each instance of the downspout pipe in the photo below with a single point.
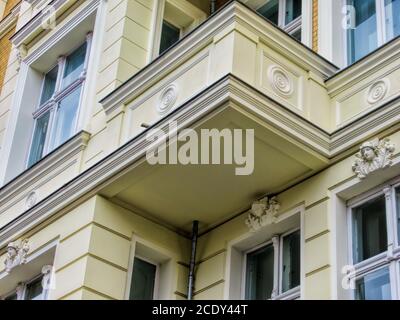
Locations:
(213, 6)
(192, 264)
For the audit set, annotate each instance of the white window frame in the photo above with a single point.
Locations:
(389, 258)
(277, 243)
(195, 14)
(22, 290)
(59, 94)
(380, 28)
(293, 26)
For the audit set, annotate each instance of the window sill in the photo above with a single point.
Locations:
(22, 185)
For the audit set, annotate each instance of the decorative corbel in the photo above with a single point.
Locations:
(16, 254)
(262, 213)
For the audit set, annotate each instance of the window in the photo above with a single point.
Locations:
(32, 290)
(143, 280)
(373, 23)
(56, 116)
(375, 245)
(284, 13)
(274, 269)
(175, 20)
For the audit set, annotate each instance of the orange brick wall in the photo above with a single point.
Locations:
(315, 26)
(9, 6)
(5, 49)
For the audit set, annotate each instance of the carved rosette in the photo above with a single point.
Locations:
(373, 155)
(16, 254)
(280, 81)
(263, 213)
(31, 199)
(167, 99)
(378, 91)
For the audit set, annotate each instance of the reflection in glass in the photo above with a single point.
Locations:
(39, 139)
(291, 261)
(374, 286)
(392, 12)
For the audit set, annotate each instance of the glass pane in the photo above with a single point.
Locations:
(260, 274)
(39, 139)
(143, 280)
(169, 36)
(49, 85)
(291, 261)
(363, 38)
(369, 229)
(34, 290)
(293, 10)
(12, 297)
(66, 118)
(374, 286)
(398, 213)
(392, 11)
(270, 10)
(74, 65)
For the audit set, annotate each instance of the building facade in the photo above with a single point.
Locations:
(84, 213)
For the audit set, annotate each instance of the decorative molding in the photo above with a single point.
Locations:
(16, 254)
(48, 277)
(373, 155)
(168, 99)
(378, 91)
(263, 212)
(31, 199)
(18, 187)
(233, 14)
(280, 81)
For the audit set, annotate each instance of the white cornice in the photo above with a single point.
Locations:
(364, 68)
(213, 99)
(34, 26)
(202, 36)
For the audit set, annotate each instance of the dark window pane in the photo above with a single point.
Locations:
(291, 261)
(369, 229)
(293, 10)
(270, 10)
(12, 297)
(49, 85)
(34, 290)
(260, 274)
(143, 280)
(363, 38)
(297, 34)
(374, 286)
(74, 65)
(39, 139)
(169, 36)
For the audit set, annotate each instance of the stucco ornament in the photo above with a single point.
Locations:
(167, 99)
(280, 81)
(31, 199)
(16, 254)
(378, 91)
(373, 155)
(263, 213)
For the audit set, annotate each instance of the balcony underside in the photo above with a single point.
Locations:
(178, 194)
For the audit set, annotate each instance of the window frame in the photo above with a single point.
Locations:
(52, 104)
(389, 258)
(382, 37)
(293, 26)
(277, 243)
(24, 289)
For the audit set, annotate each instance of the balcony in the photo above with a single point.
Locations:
(235, 71)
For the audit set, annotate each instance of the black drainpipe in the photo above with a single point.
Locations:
(213, 6)
(192, 264)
